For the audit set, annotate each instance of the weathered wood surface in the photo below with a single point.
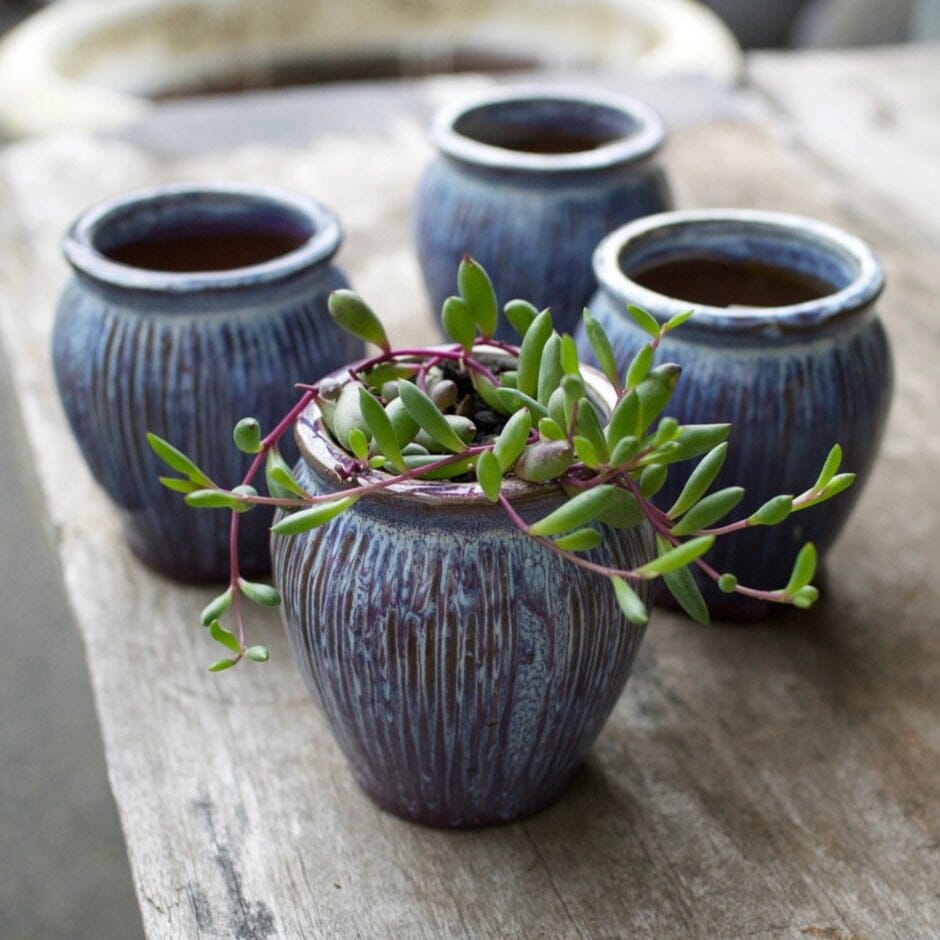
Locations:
(777, 781)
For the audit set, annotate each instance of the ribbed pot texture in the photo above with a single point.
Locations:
(185, 354)
(527, 182)
(793, 380)
(465, 670)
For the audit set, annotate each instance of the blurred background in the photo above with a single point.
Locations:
(63, 868)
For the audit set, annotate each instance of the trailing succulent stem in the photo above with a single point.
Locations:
(457, 411)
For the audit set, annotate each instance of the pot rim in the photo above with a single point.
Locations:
(322, 453)
(643, 142)
(864, 288)
(78, 243)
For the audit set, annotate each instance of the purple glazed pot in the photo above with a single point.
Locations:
(189, 308)
(793, 378)
(529, 179)
(465, 670)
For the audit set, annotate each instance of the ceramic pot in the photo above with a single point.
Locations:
(101, 63)
(188, 309)
(464, 670)
(527, 182)
(793, 378)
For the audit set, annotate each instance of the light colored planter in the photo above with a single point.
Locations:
(91, 63)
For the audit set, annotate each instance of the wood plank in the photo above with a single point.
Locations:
(870, 113)
(778, 781)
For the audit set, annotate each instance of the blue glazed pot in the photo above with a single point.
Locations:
(190, 308)
(465, 670)
(792, 379)
(528, 181)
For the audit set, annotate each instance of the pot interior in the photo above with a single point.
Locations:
(545, 125)
(717, 265)
(201, 233)
(719, 282)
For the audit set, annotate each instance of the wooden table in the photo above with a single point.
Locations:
(775, 781)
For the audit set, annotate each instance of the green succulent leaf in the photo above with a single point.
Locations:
(600, 344)
(806, 597)
(697, 439)
(577, 511)
(773, 511)
(223, 636)
(223, 664)
(489, 393)
(213, 499)
(645, 321)
(625, 419)
(581, 540)
(558, 409)
(678, 557)
(177, 460)
(179, 485)
(727, 583)
(458, 322)
(550, 369)
(247, 436)
(570, 363)
(830, 466)
(347, 414)
(477, 290)
(624, 512)
(258, 654)
(306, 519)
(589, 426)
(279, 478)
(839, 483)
(530, 353)
(667, 432)
(573, 387)
(384, 372)
(639, 367)
(656, 389)
(262, 594)
(550, 430)
(520, 314)
(355, 316)
(673, 323)
(215, 609)
(381, 428)
(707, 511)
(511, 442)
(544, 461)
(585, 452)
(423, 410)
(513, 400)
(489, 475)
(682, 587)
(404, 425)
(699, 480)
(358, 443)
(803, 570)
(652, 479)
(625, 450)
(629, 601)
(448, 471)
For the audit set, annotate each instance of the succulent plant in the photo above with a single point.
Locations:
(456, 412)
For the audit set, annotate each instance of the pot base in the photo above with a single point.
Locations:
(444, 819)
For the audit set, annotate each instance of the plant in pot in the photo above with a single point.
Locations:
(467, 546)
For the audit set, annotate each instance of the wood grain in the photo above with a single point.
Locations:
(777, 781)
